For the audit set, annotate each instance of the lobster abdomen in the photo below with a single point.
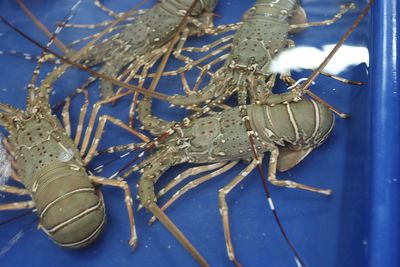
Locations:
(299, 125)
(70, 212)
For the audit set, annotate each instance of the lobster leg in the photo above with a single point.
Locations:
(193, 184)
(14, 190)
(128, 201)
(223, 208)
(188, 173)
(205, 70)
(288, 183)
(15, 176)
(145, 61)
(112, 13)
(82, 114)
(81, 89)
(192, 63)
(92, 119)
(17, 205)
(107, 10)
(142, 79)
(65, 116)
(153, 124)
(335, 18)
(223, 28)
(99, 132)
(78, 41)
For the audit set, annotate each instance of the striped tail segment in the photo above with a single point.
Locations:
(70, 212)
(299, 125)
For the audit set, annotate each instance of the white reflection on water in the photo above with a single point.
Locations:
(5, 166)
(307, 57)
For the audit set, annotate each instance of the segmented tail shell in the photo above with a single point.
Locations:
(70, 212)
(298, 125)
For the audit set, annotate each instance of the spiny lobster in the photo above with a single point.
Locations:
(289, 131)
(52, 168)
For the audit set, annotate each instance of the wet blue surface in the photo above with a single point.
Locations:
(328, 231)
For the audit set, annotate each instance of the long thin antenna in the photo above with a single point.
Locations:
(304, 87)
(250, 134)
(81, 67)
(41, 26)
(318, 70)
(53, 38)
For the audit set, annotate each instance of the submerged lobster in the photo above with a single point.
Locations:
(52, 168)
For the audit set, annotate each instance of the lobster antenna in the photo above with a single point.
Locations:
(303, 87)
(250, 134)
(318, 70)
(53, 38)
(82, 67)
(57, 42)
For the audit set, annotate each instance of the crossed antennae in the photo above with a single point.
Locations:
(304, 87)
(82, 67)
(317, 71)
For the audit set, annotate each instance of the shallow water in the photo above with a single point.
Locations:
(327, 231)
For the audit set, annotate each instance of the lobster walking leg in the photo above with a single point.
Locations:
(287, 183)
(205, 70)
(116, 15)
(197, 182)
(17, 206)
(188, 173)
(336, 17)
(66, 117)
(99, 132)
(14, 190)
(224, 208)
(193, 184)
(106, 10)
(15, 176)
(128, 201)
(82, 114)
(192, 63)
(92, 120)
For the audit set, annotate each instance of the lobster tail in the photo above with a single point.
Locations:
(70, 212)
